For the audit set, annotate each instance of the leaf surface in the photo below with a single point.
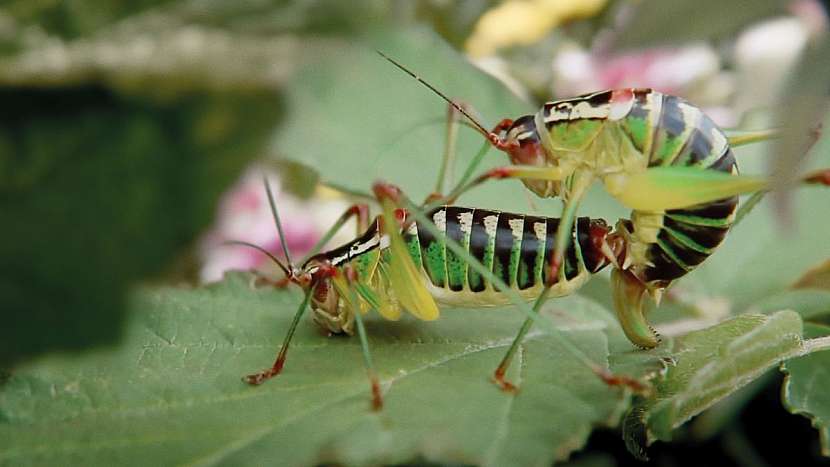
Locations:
(171, 393)
(805, 386)
(708, 365)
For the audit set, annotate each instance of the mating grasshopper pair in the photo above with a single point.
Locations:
(657, 154)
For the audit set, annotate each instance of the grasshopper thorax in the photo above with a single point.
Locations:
(327, 308)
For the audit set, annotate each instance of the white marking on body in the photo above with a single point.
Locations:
(559, 113)
(585, 109)
(440, 220)
(691, 118)
(541, 231)
(517, 228)
(718, 139)
(490, 225)
(359, 248)
(465, 221)
(619, 109)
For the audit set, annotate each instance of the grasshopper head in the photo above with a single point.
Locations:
(521, 142)
(523, 146)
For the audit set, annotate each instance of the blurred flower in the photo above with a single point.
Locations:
(523, 22)
(813, 15)
(764, 55)
(769, 50)
(692, 71)
(244, 214)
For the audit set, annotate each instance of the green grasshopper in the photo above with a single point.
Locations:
(656, 154)
(408, 260)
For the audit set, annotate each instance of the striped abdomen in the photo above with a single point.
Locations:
(515, 247)
(671, 131)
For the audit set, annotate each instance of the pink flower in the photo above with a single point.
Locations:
(669, 70)
(244, 214)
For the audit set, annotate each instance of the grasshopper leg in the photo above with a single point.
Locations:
(578, 187)
(374, 382)
(275, 369)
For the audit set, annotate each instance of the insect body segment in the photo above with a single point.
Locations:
(655, 153)
(623, 135)
(515, 247)
(396, 264)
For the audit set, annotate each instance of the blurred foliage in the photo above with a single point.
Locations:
(661, 22)
(121, 125)
(123, 122)
(809, 92)
(103, 189)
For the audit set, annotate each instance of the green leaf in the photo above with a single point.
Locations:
(810, 304)
(660, 22)
(356, 118)
(711, 364)
(171, 393)
(105, 189)
(805, 386)
(114, 150)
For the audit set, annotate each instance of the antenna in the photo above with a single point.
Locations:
(457, 107)
(261, 250)
(276, 215)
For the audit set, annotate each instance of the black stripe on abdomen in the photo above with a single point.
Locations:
(479, 239)
(456, 266)
(504, 248)
(526, 277)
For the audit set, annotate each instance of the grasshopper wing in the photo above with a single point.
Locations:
(407, 284)
(662, 188)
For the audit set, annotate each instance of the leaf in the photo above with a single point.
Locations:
(711, 364)
(171, 393)
(660, 22)
(812, 305)
(805, 386)
(122, 125)
(104, 190)
(356, 118)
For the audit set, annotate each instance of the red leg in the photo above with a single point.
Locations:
(820, 177)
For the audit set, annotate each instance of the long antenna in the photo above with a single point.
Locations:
(457, 107)
(261, 250)
(276, 215)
